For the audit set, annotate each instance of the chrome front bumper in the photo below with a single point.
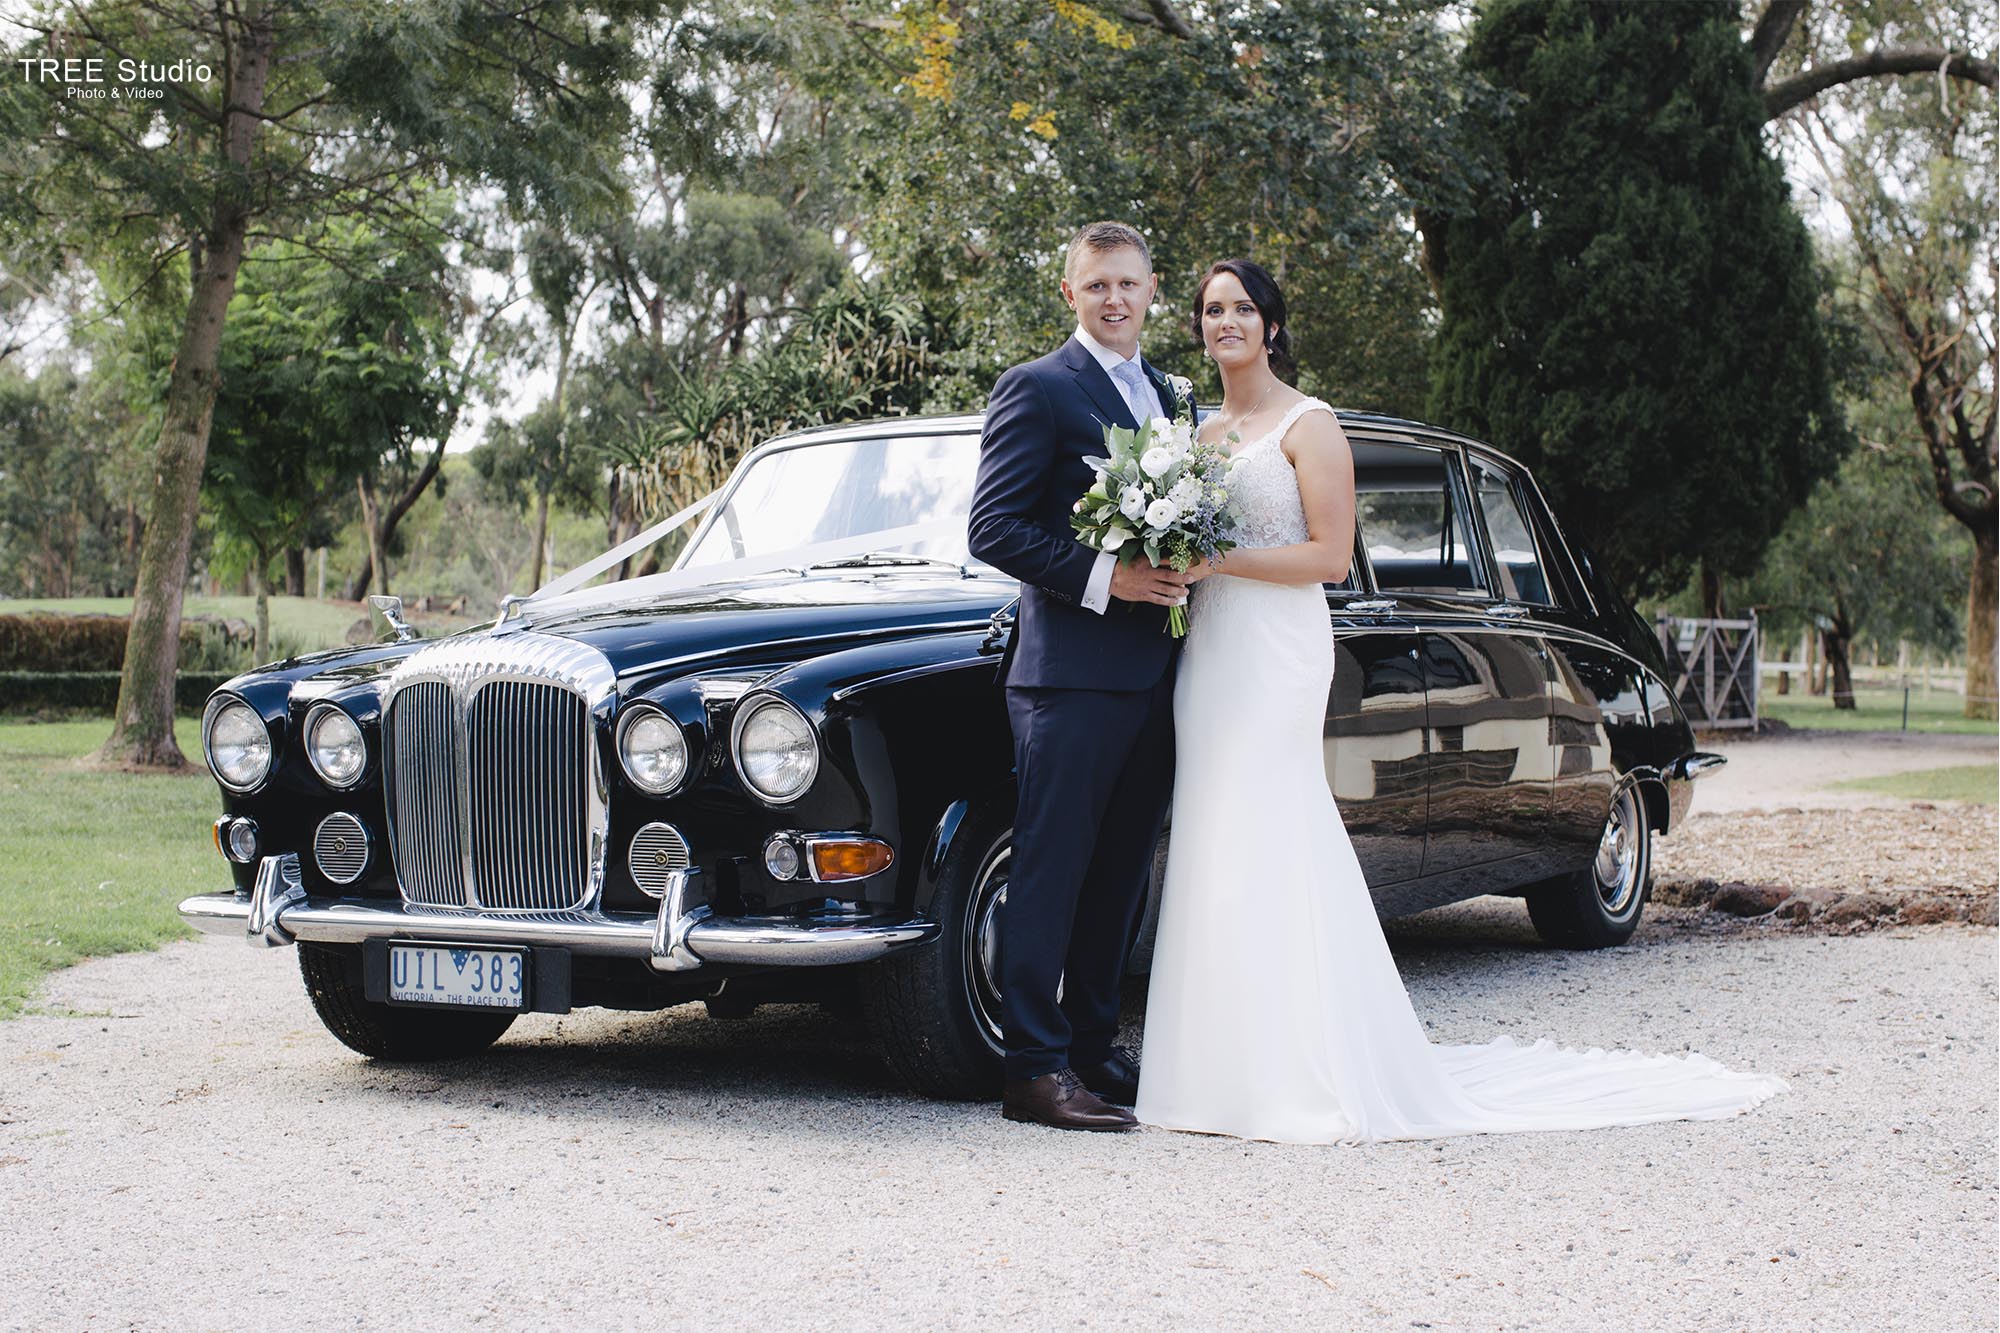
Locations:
(678, 938)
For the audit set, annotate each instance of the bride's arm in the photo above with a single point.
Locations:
(1325, 466)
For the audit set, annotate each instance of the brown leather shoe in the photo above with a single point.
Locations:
(1115, 1080)
(1060, 1101)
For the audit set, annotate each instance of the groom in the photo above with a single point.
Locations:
(1089, 676)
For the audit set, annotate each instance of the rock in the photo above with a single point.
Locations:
(1982, 913)
(1683, 892)
(1930, 909)
(1856, 908)
(1739, 899)
(1807, 902)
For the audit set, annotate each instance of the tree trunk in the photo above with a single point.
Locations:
(1815, 668)
(1784, 677)
(371, 528)
(1711, 593)
(260, 642)
(537, 567)
(1980, 645)
(143, 731)
(295, 572)
(1836, 661)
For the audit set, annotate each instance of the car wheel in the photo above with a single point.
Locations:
(1600, 904)
(382, 1031)
(936, 1010)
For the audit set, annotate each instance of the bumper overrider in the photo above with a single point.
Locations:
(679, 937)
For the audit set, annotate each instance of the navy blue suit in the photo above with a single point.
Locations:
(1090, 697)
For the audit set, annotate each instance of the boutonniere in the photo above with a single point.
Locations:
(1182, 386)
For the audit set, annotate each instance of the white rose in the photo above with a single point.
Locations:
(1161, 428)
(1132, 503)
(1162, 512)
(1156, 461)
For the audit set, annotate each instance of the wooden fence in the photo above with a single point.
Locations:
(1712, 668)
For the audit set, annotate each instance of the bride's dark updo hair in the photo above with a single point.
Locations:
(1270, 302)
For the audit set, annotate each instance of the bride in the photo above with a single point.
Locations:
(1275, 1010)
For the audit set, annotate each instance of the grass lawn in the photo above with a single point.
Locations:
(1874, 710)
(303, 621)
(1961, 782)
(93, 863)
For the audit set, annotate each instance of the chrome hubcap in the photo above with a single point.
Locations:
(1617, 864)
(982, 933)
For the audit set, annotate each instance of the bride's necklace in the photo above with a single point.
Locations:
(1254, 407)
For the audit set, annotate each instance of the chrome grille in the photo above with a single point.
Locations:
(340, 847)
(527, 743)
(496, 792)
(426, 835)
(657, 851)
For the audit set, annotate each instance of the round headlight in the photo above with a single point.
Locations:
(334, 744)
(775, 750)
(654, 752)
(238, 745)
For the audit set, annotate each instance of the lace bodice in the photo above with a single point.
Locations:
(1265, 489)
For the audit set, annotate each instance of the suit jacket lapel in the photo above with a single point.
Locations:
(1097, 384)
(1162, 389)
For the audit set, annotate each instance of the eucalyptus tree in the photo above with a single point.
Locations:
(1302, 135)
(1909, 165)
(326, 369)
(259, 120)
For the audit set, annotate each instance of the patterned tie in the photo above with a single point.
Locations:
(1132, 382)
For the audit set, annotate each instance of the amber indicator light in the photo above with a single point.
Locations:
(850, 860)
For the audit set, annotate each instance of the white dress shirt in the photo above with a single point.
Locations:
(1097, 593)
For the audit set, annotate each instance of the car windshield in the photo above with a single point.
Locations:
(834, 490)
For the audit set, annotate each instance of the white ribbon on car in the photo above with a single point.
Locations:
(795, 557)
(583, 574)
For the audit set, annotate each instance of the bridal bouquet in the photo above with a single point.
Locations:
(1161, 491)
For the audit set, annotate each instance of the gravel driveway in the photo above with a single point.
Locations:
(181, 1146)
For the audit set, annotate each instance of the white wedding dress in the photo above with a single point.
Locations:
(1275, 1010)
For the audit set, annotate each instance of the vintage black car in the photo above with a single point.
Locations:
(782, 770)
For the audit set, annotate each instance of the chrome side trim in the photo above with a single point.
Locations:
(277, 887)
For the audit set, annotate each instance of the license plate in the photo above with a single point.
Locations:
(439, 974)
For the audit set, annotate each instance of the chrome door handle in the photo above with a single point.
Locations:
(1509, 612)
(1372, 604)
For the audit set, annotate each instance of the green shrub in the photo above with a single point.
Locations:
(45, 642)
(23, 693)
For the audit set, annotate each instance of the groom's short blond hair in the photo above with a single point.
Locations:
(1102, 236)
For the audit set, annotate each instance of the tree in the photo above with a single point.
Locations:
(1911, 169)
(275, 117)
(1868, 553)
(325, 369)
(1298, 134)
(1633, 315)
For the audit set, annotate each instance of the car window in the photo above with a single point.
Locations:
(1409, 515)
(1517, 560)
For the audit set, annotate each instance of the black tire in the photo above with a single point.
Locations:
(1600, 905)
(935, 1010)
(387, 1032)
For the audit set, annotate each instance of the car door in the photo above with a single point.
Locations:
(1485, 672)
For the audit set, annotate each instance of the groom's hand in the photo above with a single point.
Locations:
(1143, 581)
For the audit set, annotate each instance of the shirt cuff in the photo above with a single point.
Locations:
(1097, 592)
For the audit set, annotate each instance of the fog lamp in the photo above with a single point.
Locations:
(781, 858)
(239, 840)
